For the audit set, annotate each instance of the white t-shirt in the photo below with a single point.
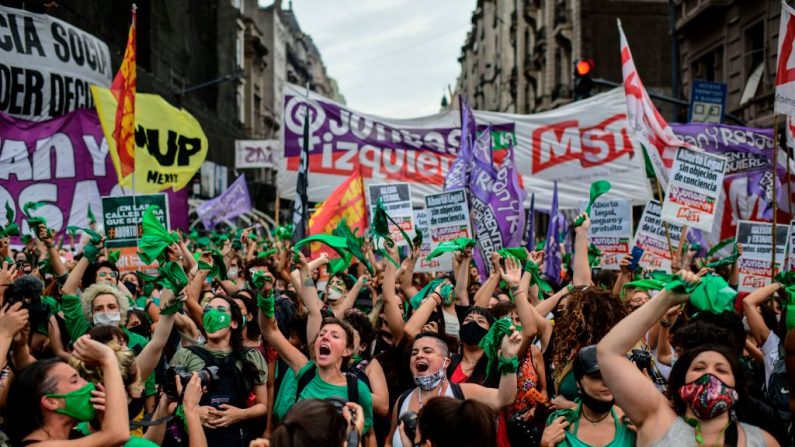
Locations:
(770, 354)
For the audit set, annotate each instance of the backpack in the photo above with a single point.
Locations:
(777, 387)
(309, 374)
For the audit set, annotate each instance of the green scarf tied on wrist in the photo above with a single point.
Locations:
(728, 260)
(713, 294)
(536, 278)
(155, 239)
(91, 250)
(379, 230)
(458, 244)
(598, 188)
(172, 277)
(266, 304)
(417, 299)
(259, 278)
(218, 268)
(517, 252)
(34, 222)
(787, 281)
(11, 228)
(594, 255)
(492, 341)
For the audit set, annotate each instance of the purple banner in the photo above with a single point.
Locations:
(746, 149)
(230, 204)
(63, 162)
(458, 176)
(552, 254)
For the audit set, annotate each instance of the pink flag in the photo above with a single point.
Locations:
(785, 67)
(647, 125)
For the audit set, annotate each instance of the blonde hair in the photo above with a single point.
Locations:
(95, 290)
(124, 357)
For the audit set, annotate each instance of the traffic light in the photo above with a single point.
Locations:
(583, 83)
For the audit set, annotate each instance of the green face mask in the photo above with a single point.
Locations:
(214, 320)
(78, 403)
(357, 358)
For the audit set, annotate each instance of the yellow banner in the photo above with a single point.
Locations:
(170, 145)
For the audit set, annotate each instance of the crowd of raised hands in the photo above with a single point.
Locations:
(241, 339)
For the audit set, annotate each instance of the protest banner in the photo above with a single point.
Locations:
(47, 66)
(449, 217)
(575, 144)
(694, 188)
(170, 145)
(650, 237)
(250, 154)
(122, 217)
(754, 263)
(397, 203)
(64, 163)
(442, 263)
(784, 100)
(791, 249)
(747, 184)
(231, 203)
(611, 230)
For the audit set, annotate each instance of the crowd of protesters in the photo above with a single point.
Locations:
(241, 340)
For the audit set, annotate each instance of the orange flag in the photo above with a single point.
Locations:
(123, 89)
(348, 202)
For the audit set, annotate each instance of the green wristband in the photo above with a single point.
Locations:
(266, 304)
(508, 366)
(90, 252)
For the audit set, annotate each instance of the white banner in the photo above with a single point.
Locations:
(47, 65)
(574, 144)
(255, 153)
(611, 230)
(693, 192)
(784, 101)
(651, 237)
(396, 198)
(754, 263)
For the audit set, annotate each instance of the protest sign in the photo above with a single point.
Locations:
(442, 263)
(230, 204)
(574, 144)
(47, 66)
(650, 236)
(791, 249)
(255, 153)
(754, 263)
(122, 217)
(707, 102)
(170, 145)
(397, 203)
(74, 143)
(611, 229)
(694, 189)
(449, 216)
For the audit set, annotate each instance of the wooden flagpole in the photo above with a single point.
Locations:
(775, 200)
(665, 224)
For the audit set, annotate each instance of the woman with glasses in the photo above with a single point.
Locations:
(224, 410)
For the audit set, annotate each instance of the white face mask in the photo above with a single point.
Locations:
(107, 318)
(334, 294)
(232, 272)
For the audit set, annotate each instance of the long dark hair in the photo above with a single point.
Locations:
(239, 350)
(448, 422)
(677, 378)
(24, 399)
(310, 422)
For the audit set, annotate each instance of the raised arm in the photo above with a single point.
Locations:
(486, 290)
(75, 278)
(420, 317)
(394, 318)
(759, 330)
(505, 395)
(294, 358)
(407, 277)
(305, 288)
(580, 264)
(624, 275)
(734, 273)
(462, 279)
(47, 237)
(632, 390)
(549, 304)
(150, 355)
(350, 298)
(194, 290)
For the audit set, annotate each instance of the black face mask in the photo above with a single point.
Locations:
(472, 333)
(140, 330)
(131, 287)
(598, 406)
(135, 406)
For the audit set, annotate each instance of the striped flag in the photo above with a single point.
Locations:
(123, 89)
(346, 202)
(300, 209)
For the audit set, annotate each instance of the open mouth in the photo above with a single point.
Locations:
(324, 350)
(421, 366)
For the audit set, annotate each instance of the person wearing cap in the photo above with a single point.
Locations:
(595, 420)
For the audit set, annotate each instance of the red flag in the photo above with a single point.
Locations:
(123, 89)
(348, 202)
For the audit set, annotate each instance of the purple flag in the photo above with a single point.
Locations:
(507, 203)
(458, 175)
(552, 255)
(531, 224)
(230, 204)
(484, 221)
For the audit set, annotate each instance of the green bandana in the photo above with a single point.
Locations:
(214, 320)
(114, 255)
(728, 260)
(11, 228)
(517, 252)
(787, 281)
(416, 300)
(217, 269)
(417, 241)
(266, 253)
(155, 239)
(172, 277)
(598, 188)
(458, 244)
(259, 278)
(492, 341)
(379, 230)
(594, 255)
(91, 218)
(283, 232)
(536, 278)
(34, 222)
(266, 304)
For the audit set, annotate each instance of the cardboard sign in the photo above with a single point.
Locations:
(611, 230)
(449, 217)
(650, 236)
(443, 263)
(694, 187)
(122, 219)
(754, 263)
(397, 203)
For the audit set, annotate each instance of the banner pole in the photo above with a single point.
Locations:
(665, 224)
(787, 178)
(775, 198)
(277, 204)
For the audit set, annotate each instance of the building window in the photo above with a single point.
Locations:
(239, 49)
(753, 48)
(709, 67)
